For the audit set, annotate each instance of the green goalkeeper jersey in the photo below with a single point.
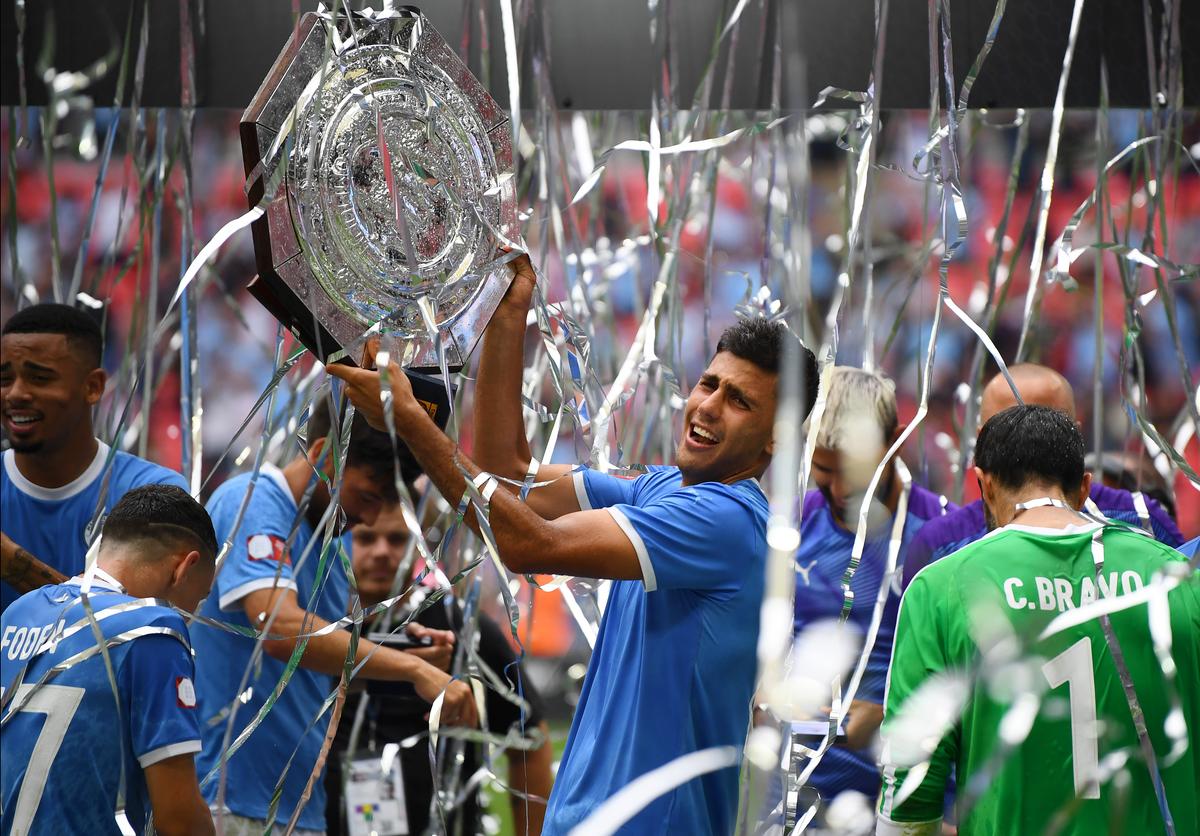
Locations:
(978, 617)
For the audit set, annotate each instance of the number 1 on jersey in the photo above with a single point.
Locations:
(1074, 667)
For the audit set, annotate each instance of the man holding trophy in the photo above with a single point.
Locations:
(386, 182)
(674, 664)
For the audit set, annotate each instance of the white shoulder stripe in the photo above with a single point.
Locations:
(229, 601)
(581, 493)
(649, 581)
(185, 747)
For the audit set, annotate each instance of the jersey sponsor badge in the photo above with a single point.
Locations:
(267, 547)
(185, 692)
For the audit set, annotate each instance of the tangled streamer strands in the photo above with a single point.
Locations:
(936, 246)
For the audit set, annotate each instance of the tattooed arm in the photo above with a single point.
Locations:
(23, 571)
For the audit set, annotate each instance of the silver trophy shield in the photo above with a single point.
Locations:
(386, 170)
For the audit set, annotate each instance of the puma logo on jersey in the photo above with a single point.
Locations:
(804, 570)
(1062, 594)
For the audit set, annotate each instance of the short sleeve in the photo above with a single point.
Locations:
(258, 558)
(133, 472)
(163, 719)
(594, 489)
(700, 537)
(918, 656)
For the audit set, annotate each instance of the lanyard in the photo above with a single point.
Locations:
(1118, 655)
(1051, 502)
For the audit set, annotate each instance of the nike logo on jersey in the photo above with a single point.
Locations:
(1062, 594)
(20, 643)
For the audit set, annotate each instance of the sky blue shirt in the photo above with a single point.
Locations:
(259, 550)
(1189, 548)
(52, 524)
(61, 754)
(825, 549)
(674, 664)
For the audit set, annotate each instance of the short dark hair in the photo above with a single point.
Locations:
(79, 327)
(1027, 443)
(164, 515)
(760, 341)
(369, 448)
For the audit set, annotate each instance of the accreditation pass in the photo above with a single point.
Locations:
(375, 798)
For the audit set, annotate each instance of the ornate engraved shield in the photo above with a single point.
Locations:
(387, 170)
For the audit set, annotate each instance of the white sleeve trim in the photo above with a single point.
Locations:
(229, 600)
(581, 493)
(186, 747)
(649, 581)
(886, 827)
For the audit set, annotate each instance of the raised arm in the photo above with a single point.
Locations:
(585, 543)
(500, 443)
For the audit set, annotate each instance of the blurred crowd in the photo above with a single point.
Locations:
(1127, 339)
(138, 219)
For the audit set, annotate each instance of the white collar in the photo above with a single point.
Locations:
(80, 483)
(276, 476)
(100, 579)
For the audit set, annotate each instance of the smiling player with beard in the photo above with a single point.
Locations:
(58, 480)
(674, 663)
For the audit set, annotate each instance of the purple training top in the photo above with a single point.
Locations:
(821, 563)
(946, 535)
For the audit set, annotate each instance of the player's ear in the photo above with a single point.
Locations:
(985, 483)
(1085, 488)
(186, 562)
(896, 433)
(315, 449)
(93, 385)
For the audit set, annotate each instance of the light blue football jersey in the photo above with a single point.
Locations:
(66, 741)
(56, 525)
(675, 660)
(261, 558)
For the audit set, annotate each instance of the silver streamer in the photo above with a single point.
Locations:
(626, 216)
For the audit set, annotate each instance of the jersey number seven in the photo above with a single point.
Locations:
(1074, 667)
(59, 703)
